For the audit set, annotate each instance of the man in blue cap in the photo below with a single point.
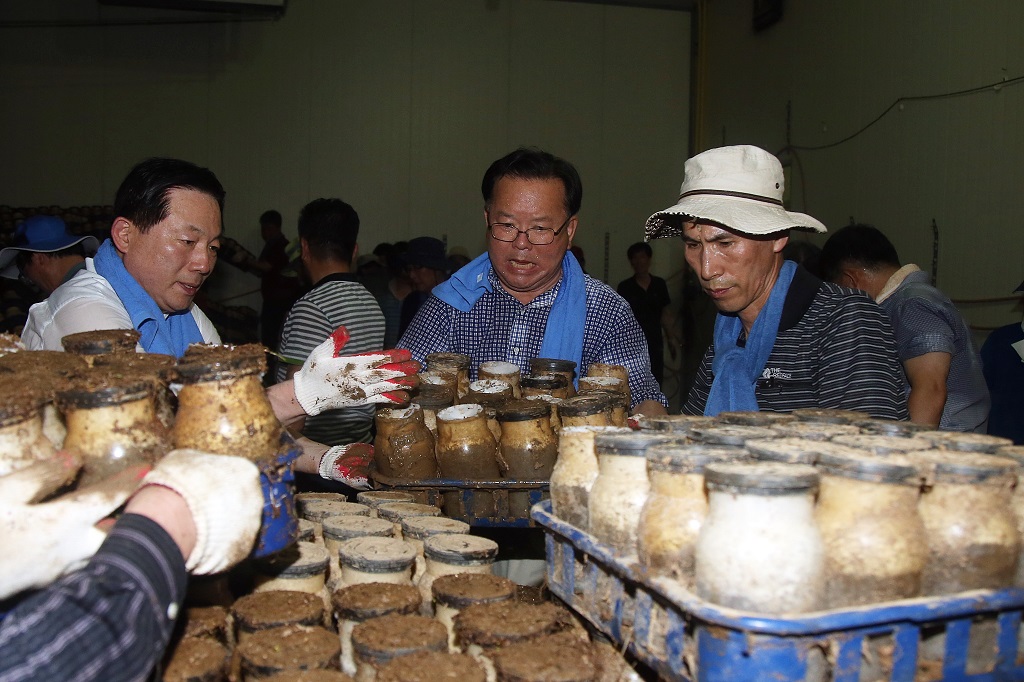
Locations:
(427, 265)
(45, 253)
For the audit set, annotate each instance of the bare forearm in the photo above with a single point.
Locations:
(650, 408)
(309, 461)
(926, 404)
(927, 375)
(282, 399)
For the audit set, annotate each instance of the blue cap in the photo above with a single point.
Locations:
(426, 252)
(41, 234)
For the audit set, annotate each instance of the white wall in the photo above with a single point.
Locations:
(397, 107)
(958, 160)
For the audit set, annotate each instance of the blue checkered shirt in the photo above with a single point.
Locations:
(498, 327)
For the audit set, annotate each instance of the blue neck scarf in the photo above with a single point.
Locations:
(170, 335)
(736, 368)
(563, 334)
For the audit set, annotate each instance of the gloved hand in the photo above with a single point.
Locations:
(41, 542)
(329, 380)
(224, 495)
(348, 464)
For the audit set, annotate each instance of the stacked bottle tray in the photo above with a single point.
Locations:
(966, 636)
(478, 503)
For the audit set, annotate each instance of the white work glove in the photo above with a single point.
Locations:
(348, 464)
(41, 542)
(224, 495)
(328, 380)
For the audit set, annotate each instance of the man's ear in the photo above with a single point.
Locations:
(122, 233)
(779, 244)
(570, 229)
(850, 276)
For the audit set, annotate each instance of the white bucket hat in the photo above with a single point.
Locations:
(739, 187)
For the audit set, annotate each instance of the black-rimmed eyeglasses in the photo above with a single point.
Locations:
(538, 236)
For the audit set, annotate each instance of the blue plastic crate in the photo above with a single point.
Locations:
(478, 503)
(686, 638)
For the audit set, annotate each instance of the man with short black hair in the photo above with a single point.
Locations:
(278, 290)
(648, 297)
(328, 230)
(163, 245)
(783, 338)
(946, 385)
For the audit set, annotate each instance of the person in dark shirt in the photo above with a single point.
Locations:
(427, 266)
(1002, 361)
(278, 290)
(648, 296)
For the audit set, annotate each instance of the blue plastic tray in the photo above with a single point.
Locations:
(683, 637)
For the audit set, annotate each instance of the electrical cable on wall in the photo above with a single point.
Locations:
(792, 149)
(997, 86)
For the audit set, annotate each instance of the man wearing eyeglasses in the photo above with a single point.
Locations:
(526, 297)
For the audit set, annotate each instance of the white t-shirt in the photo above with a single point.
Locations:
(87, 303)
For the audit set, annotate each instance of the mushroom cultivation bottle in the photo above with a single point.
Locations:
(416, 529)
(222, 407)
(454, 367)
(404, 447)
(600, 369)
(505, 371)
(22, 441)
(875, 544)
(585, 410)
(565, 368)
(112, 426)
(379, 641)
(376, 560)
(528, 448)
(676, 507)
(451, 554)
(453, 593)
(554, 385)
(760, 548)
(575, 472)
(467, 451)
(358, 603)
(967, 509)
(621, 487)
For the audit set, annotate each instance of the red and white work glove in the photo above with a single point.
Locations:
(224, 496)
(329, 380)
(348, 464)
(43, 541)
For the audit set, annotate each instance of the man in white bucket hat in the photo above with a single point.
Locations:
(783, 339)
